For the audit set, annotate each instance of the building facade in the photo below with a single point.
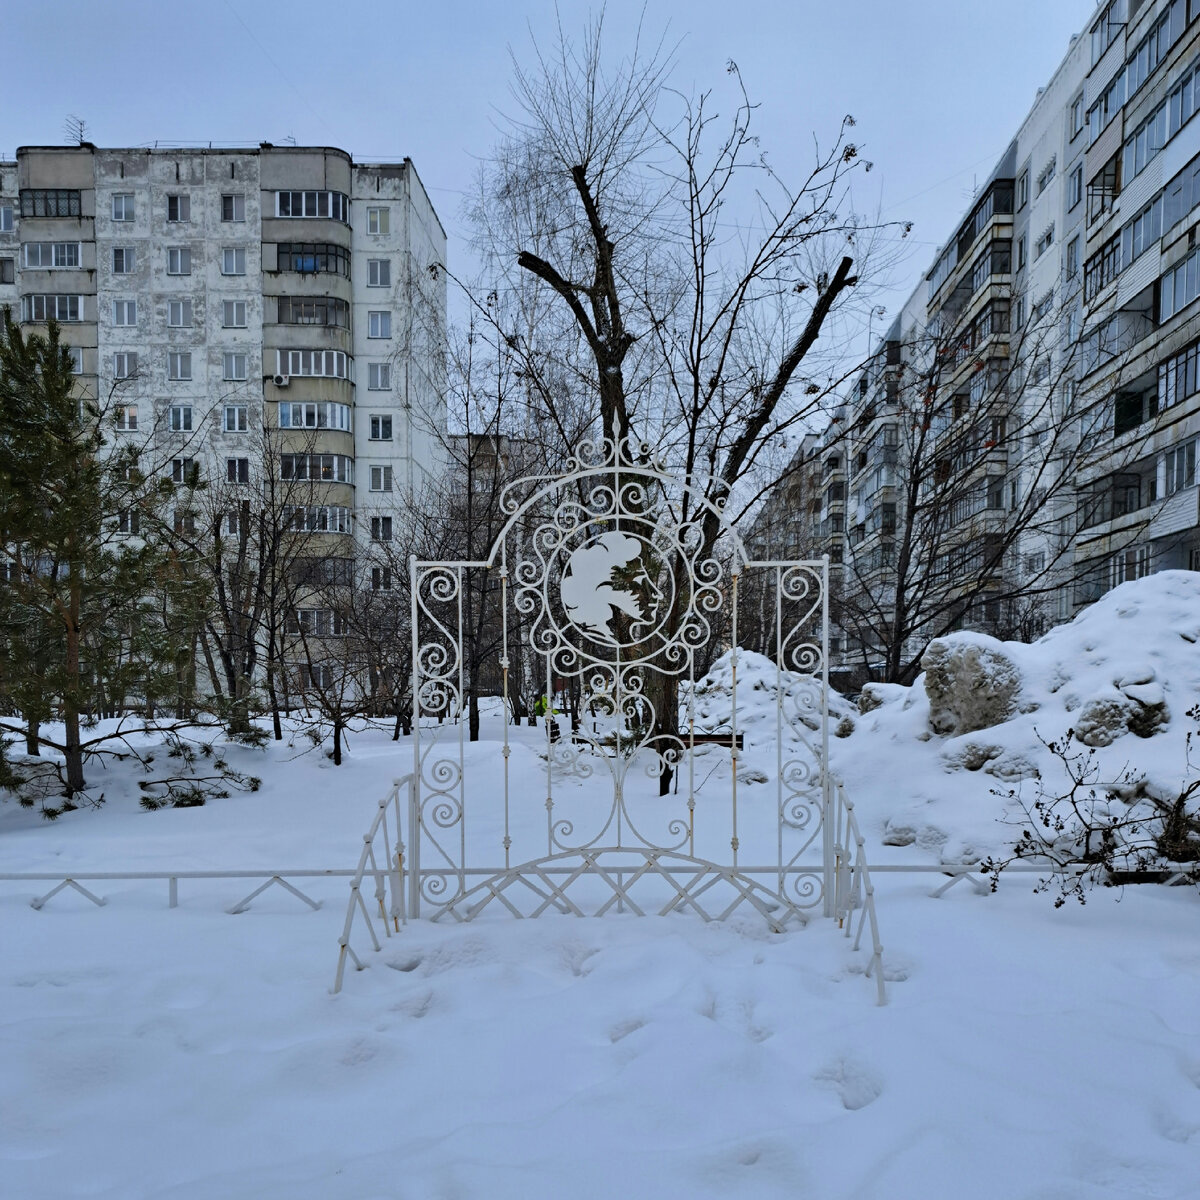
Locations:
(209, 295)
(1024, 435)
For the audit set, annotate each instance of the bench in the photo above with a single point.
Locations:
(728, 740)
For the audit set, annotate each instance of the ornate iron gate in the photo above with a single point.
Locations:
(604, 589)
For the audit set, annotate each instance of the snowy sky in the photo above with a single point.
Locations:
(937, 88)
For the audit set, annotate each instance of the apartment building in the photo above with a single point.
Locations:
(1024, 435)
(1138, 504)
(209, 295)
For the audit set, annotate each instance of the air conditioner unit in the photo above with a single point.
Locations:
(281, 380)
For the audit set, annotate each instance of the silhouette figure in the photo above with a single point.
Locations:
(588, 591)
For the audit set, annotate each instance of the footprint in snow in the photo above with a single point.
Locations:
(856, 1085)
(624, 1028)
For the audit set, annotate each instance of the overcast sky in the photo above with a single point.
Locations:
(938, 87)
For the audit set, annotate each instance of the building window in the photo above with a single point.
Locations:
(76, 353)
(54, 202)
(319, 468)
(1112, 21)
(179, 314)
(1181, 468)
(179, 208)
(183, 470)
(185, 521)
(64, 309)
(233, 260)
(122, 206)
(332, 364)
(1073, 257)
(179, 366)
(1179, 286)
(236, 418)
(381, 579)
(179, 260)
(381, 429)
(1046, 177)
(334, 205)
(125, 364)
(322, 414)
(1078, 116)
(381, 479)
(237, 470)
(233, 208)
(124, 312)
(1075, 187)
(1179, 377)
(1022, 190)
(1021, 245)
(234, 366)
(8, 272)
(129, 521)
(1044, 243)
(379, 377)
(379, 325)
(6, 218)
(316, 518)
(310, 258)
(378, 220)
(381, 529)
(1133, 563)
(319, 622)
(233, 314)
(319, 310)
(125, 416)
(180, 418)
(124, 260)
(50, 255)
(379, 272)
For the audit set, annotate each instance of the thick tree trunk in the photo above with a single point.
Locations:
(473, 716)
(32, 728)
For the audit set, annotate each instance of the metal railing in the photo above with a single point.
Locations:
(378, 847)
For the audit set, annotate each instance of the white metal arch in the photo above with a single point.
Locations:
(610, 588)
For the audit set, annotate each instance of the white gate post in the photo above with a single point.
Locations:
(414, 787)
(828, 833)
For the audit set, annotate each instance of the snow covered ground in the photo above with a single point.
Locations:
(1026, 1053)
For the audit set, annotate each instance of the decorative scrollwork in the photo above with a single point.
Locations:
(611, 588)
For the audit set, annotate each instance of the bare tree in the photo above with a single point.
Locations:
(971, 439)
(607, 215)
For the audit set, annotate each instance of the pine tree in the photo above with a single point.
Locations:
(94, 596)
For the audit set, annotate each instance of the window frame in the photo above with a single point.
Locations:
(181, 418)
(177, 362)
(235, 308)
(125, 203)
(236, 254)
(186, 309)
(229, 366)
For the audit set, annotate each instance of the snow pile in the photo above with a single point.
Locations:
(759, 687)
(924, 763)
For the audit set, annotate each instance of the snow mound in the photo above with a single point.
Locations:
(930, 766)
(759, 687)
